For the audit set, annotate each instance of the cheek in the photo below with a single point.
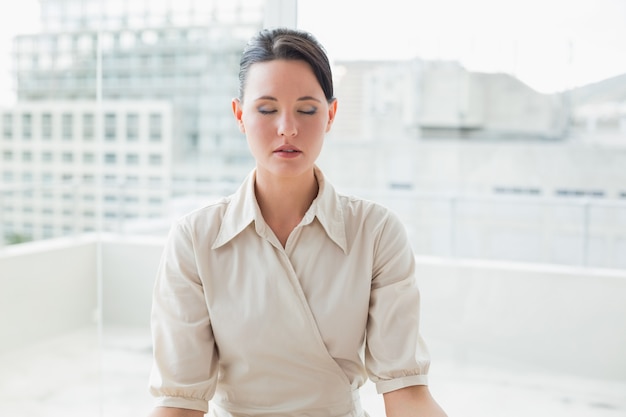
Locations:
(315, 125)
(256, 125)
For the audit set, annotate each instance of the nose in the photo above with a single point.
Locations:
(287, 126)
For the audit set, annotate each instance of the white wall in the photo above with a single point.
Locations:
(50, 287)
(129, 269)
(562, 319)
(46, 289)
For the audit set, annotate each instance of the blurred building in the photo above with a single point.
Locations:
(131, 95)
(185, 52)
(435, 127)
(442, 100)
(599, 111)
(410, 125)
(60, 177)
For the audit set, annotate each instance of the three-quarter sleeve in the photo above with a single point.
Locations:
(396, 355)
(185, 365)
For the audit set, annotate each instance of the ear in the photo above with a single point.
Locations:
(332, 111)
(237, 112)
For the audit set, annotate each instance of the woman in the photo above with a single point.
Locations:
(282, 299)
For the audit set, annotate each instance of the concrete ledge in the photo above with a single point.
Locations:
(46, 289)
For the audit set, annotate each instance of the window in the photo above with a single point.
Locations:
(67, 157)
(156, 130)
(88, 127)
(27, 156)
(46, 156)
(27, 128)
(88, 158)
(127, 40)
(156, 159)
(132, 159)
(132, 127)
(110, 128)
(7, 126)
(48, 231)
(85, 43)
(517, 190)
(7, 156)
(67, 126)
(110, 158)
(46, 126)
(564, 192)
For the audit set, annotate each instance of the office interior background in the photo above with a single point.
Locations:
(496, 130)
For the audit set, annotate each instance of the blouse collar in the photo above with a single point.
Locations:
(243, 210)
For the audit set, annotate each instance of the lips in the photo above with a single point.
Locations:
(289, 150)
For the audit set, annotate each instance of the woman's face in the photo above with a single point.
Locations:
(285, 117)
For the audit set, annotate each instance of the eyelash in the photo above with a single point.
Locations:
(309, 112)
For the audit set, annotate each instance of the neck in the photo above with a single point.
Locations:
(285, 198)
(284, 201)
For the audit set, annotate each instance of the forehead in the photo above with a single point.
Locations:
(281, 74)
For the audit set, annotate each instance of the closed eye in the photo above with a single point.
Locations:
(265, 111)
(309, 112)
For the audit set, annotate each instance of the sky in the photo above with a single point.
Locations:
(23, 17)
(551, 45)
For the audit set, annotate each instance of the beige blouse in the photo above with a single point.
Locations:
(262, 330)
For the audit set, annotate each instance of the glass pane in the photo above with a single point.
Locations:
(496, 131)
(501, 147)
(77, 166)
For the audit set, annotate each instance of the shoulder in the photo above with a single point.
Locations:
(369, 216)
(362, 208)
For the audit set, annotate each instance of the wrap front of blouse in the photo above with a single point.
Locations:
(262, 330)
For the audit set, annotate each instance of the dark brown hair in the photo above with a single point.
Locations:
(290, 44)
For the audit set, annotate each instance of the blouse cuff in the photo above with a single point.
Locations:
(182, 402)
(388, 385)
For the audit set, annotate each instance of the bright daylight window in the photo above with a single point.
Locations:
(495, 130)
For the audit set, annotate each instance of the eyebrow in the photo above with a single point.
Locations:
(303, 98)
